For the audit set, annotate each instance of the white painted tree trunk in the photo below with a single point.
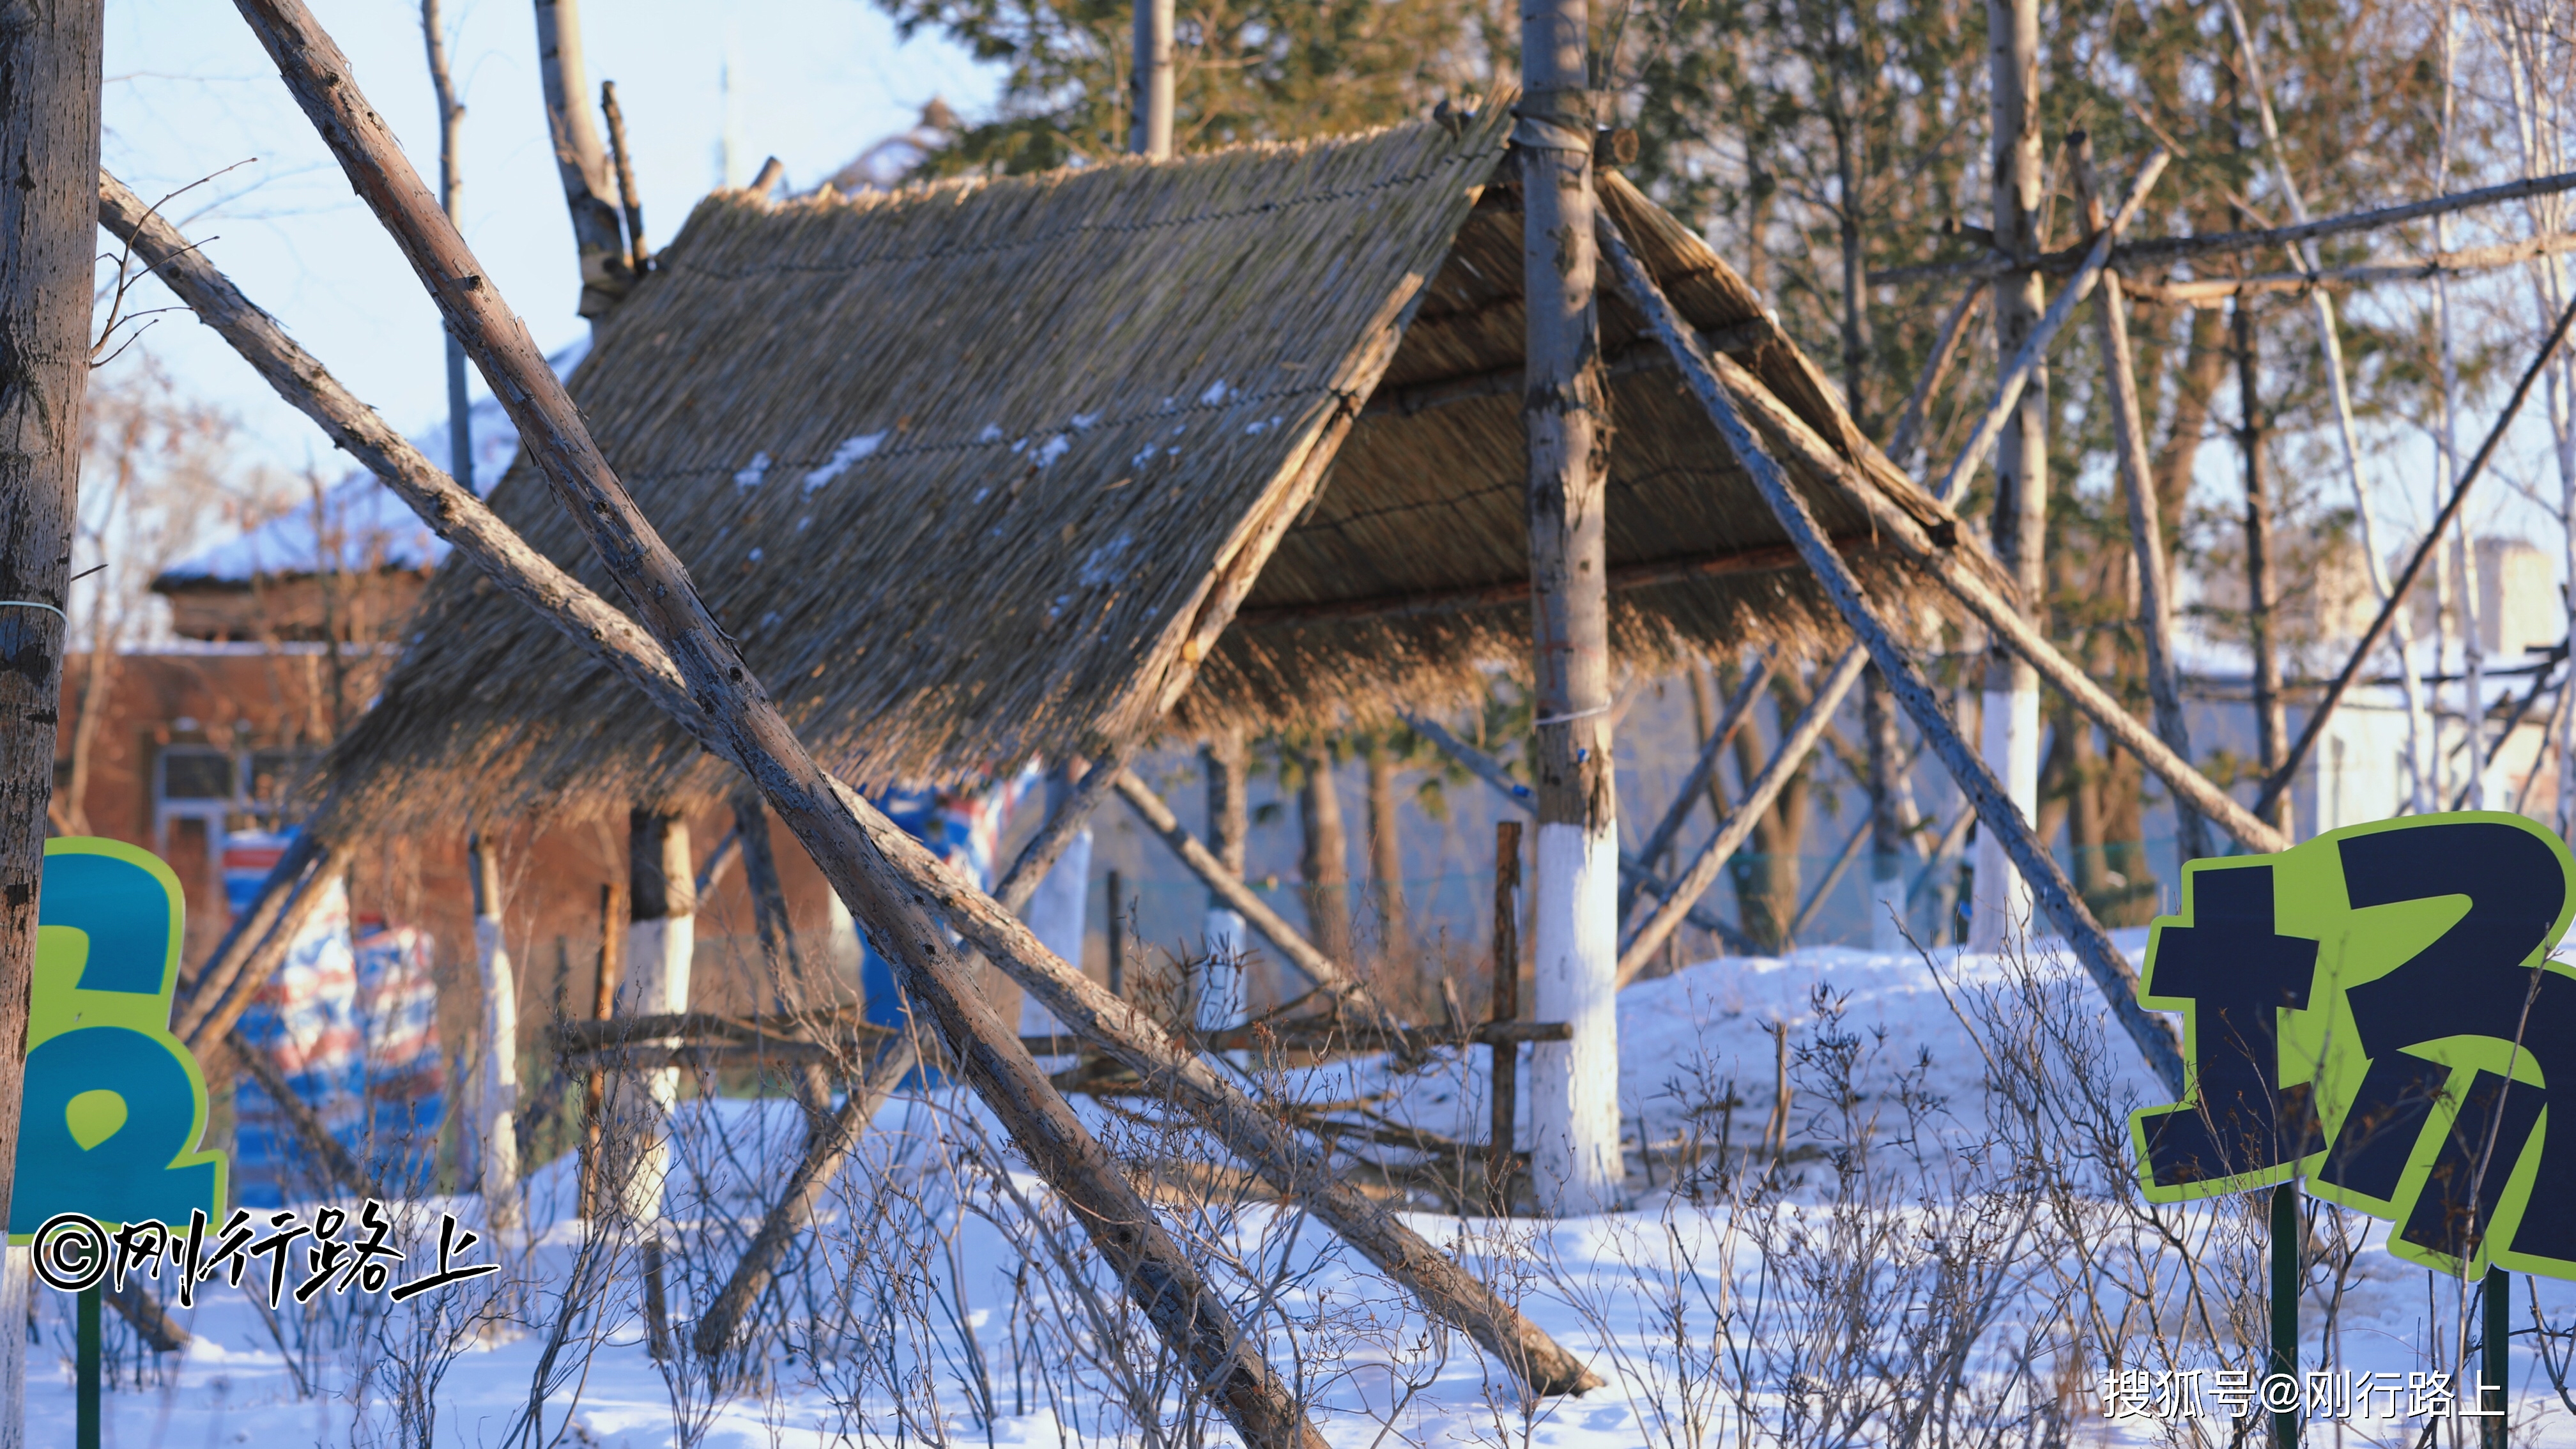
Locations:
(2009, 741)
(660, 944)
(1574, 1085)
(498, 1130)
(1225, 989)
(17, 1275)
(1221, 985)
(2011, 729)
(1575, 1159)
(841, 946)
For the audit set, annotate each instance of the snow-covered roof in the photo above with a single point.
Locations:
(361, 524)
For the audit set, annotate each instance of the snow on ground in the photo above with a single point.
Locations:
(962, 1325)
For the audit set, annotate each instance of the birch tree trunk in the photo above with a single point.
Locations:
(496, 1127)
(1576, 1165)
(1224, 991)
(2010, 714)
(606, 273)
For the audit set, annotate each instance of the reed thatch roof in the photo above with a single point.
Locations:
(976, 471)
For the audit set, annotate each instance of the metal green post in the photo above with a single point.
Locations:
(85, 1422)
(2499, 1340)
(2285, 1306)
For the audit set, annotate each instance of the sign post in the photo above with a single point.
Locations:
(114, 1104)
(2375, 1014)
(85, 1420)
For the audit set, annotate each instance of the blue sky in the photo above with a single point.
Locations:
(190, 93)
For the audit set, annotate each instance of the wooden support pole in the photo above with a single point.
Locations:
(1831, 687)
(2274, 787)
(1117, 929)
(609, 635)
(2016, 429)
(1355, 1001)
(2055, 895)
(496, 1123)
(2161, 251)
(50, 71)
(2146, 527)
(1502, 1146)
(1576, 1160)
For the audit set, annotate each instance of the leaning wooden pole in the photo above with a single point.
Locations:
(1739, 708)
(2164, 251)
(1359, 1005)
(1831, 688)
(2052, 891)
(990, 925)
(1189, 1316)
(2146, 527)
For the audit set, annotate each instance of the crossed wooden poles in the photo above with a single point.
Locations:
(903, 895)
(894, 886)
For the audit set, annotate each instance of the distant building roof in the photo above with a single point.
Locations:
(360, 520)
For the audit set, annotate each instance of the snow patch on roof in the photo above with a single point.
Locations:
(851, 451)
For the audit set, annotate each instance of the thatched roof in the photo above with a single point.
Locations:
(973, 472)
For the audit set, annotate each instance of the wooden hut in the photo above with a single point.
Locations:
(1032, 466)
